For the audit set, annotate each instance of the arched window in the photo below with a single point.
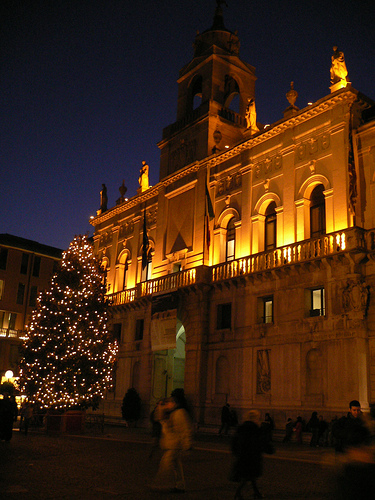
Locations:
(231, 94)
(317, 212)
(270, 227)
(196, 92)
(230, 238)
(147, 270)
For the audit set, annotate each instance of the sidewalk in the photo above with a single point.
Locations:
(213, 442)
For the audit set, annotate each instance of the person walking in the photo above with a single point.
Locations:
(7, 413)
(288, 431)
(226, 419)
(313, 427)
(298, 430)
(27, 412)
(176, 438)
(247, 448)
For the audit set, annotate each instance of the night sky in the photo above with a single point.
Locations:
(86, 88)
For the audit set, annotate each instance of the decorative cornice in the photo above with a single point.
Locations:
(348, 95)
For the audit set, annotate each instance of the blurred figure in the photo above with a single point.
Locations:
(350, 430)
(226, 419)
(298, 430)
(288, 431)
(313, 427)
(356, 454)
(322, 432)
(176, 438)
(7, 414)
(156, 427)
(27, 412)
(267, 427)
(247, 448)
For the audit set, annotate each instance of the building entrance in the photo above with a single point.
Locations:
(169, 367)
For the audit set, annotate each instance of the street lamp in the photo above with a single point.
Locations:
(9, 374)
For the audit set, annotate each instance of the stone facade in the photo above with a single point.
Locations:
(267, 301)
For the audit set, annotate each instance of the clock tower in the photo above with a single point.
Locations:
(213, 92)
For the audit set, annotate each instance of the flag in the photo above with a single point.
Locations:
(209, 207)
(209, 215)
(146, 243)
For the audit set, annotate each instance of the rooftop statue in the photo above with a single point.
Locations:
(103, 199)
(251, 116)
(338, 67)
(143, 177)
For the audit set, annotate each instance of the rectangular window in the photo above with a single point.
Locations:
(117, 332)
(33, 296)
(146, 272)
(12, 321)
(3, 258)
(2, 284)
(317, 221)
(36, 266)
(139, 325)
(224, 316)
(270, 232)
(268, 310)
(176, 268)
(24, 263)
(20, 293)
(317, 302)
(265, 309)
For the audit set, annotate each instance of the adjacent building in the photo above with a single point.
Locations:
(247, 274)
(26, 268)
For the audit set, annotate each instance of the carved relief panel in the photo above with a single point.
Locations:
(312, 147)
(228, 183)
(263, 372)
(271, 164)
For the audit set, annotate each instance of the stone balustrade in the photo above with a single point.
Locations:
(340, 242)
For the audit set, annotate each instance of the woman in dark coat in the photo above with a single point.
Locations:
(247, 448)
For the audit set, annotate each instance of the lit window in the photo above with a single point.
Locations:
(231, 235)
(270, 227)
(12, 321)
(317, 302)
(176, 268)
(147, 271)
(265, 309)
(317, 212)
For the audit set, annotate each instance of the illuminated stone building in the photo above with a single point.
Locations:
(265, 298)
(26, 268)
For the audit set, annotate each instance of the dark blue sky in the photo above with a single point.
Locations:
(87, 86)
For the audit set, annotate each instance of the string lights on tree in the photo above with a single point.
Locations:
(69, 355)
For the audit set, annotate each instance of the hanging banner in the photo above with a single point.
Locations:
(163, 330)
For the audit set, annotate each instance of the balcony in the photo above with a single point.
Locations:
(196, 114)
(354, 240)
(11, 334)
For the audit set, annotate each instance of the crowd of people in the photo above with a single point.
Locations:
(352, 438)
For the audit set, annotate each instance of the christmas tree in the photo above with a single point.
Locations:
(69, 355)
